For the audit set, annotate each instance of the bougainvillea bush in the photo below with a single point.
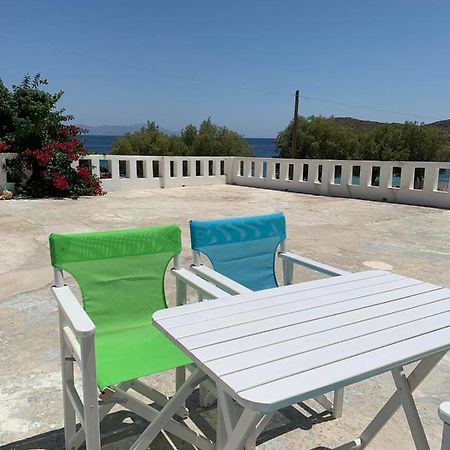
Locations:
(47, 148)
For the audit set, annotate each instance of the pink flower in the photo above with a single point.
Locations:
(60, 182)
(84, 173)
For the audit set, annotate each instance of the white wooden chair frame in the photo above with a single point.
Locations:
(77, 337)
(444, 414)
(334, 406)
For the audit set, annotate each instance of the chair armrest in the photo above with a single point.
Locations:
(220, 280)
(77, 317)
(199, 284)
(311, 264)
(444, 412)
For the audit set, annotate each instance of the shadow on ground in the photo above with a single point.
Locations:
(120, 429)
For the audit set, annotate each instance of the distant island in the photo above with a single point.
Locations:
(362, 126)
(357, 125)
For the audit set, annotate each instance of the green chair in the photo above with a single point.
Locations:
(121, 278)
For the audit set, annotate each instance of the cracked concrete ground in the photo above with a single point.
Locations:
(350, 234)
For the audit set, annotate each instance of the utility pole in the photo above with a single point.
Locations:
(294, 127)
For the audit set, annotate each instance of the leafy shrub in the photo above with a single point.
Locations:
(407, 142)
(208, 140)
(325, 138)
(46, 148)
(149, 141)
(318, 137)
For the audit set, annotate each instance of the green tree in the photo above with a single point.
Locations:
(408, 142)
(149, 141)
(324, 138)
(28, 114)
(188, 135)
(318, 138)
(208, 140)
(214, 140)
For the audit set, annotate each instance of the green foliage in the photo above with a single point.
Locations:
(28, 118)
(318, 137)
(407, 142)
(32, 127)
(208, 140)
(149, 141)
(325, 138)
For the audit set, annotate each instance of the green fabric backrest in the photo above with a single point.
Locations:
(120, 273)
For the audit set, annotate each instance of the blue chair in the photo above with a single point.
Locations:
(242, 252)
(242, 248)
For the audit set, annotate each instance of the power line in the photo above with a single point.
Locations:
(239, 87)
(368, 108)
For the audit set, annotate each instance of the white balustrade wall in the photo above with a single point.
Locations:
(4, 157)
(415, 183)
(127, 172)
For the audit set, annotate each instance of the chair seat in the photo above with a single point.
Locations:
(134, 352)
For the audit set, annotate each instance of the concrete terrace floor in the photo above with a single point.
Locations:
(351, 234)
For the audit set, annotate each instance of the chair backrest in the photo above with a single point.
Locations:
(242, 248)
(120, 273)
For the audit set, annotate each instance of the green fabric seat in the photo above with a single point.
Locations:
(121, 278)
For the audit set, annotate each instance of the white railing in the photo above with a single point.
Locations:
(4, 157)
(126, 172)
(416, 183)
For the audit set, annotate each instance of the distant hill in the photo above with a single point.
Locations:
(443, 125)
(362, 126)
(358, 125)
(118, 130)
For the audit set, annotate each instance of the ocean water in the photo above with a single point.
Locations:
(261, 147)
(98, 143)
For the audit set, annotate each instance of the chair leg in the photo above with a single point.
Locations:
(169, 410)
(90, 394)
(158, 397)
(103, 411)
(180, 377)
(67, 379)
(338, 403)
(288, 272)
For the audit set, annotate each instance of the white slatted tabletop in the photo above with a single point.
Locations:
(280, 346)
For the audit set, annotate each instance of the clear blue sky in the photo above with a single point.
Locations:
(124, 62)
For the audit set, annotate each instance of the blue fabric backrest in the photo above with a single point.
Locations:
(242, 248)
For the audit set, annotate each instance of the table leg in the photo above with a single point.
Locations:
(233, 431)
(404, 398)
(246, 424)
(409, 406)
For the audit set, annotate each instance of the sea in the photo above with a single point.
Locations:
(261, 147)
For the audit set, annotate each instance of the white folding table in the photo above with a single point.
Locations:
(274, 348)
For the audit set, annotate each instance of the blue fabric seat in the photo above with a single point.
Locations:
(242, 248)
